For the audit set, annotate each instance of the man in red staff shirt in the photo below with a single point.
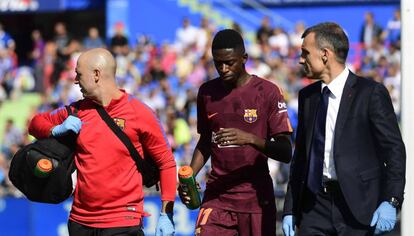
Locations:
(109, 199)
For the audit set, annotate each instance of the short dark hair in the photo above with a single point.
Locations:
(330, 35)
(228, 38)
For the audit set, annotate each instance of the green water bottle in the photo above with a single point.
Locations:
(43, 168)
(188, 184)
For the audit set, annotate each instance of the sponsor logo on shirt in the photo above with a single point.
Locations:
(281, 106)
(250, 115)
(120, 122)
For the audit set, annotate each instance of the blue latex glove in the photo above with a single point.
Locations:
(288, 225)
(71, 123)
(165, 225)
(384, 218)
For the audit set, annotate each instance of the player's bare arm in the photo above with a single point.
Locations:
(167, 207)
(201, 154)
(200, 157)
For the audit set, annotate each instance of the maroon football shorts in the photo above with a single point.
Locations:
(219, 222)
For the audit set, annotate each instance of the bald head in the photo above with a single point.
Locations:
(99, 59)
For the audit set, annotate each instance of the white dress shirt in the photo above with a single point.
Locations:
(336, 86)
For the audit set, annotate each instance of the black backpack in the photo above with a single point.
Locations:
(56, 187)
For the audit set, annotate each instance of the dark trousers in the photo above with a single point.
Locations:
(76, 229)
(328, 214)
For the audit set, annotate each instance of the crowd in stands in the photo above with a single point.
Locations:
(166, 76)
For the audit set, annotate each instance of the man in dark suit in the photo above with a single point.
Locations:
(348, 170)
(370, 31)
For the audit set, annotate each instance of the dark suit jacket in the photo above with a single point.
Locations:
(369, 154)
(376, 32)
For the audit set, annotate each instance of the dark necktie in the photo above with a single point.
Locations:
(314, 181)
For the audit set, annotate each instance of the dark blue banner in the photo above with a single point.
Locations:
(19, 217)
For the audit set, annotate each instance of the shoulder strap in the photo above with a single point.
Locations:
(75, 109)
(123, 137)
(69, 110)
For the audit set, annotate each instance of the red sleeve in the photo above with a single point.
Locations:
(168, 182)
(155, 143)
(42, 123)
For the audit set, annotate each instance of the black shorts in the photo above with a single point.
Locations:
(76, 229)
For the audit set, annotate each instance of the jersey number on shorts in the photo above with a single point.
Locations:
(203, 216)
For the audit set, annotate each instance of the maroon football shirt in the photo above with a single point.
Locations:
(240, 180)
